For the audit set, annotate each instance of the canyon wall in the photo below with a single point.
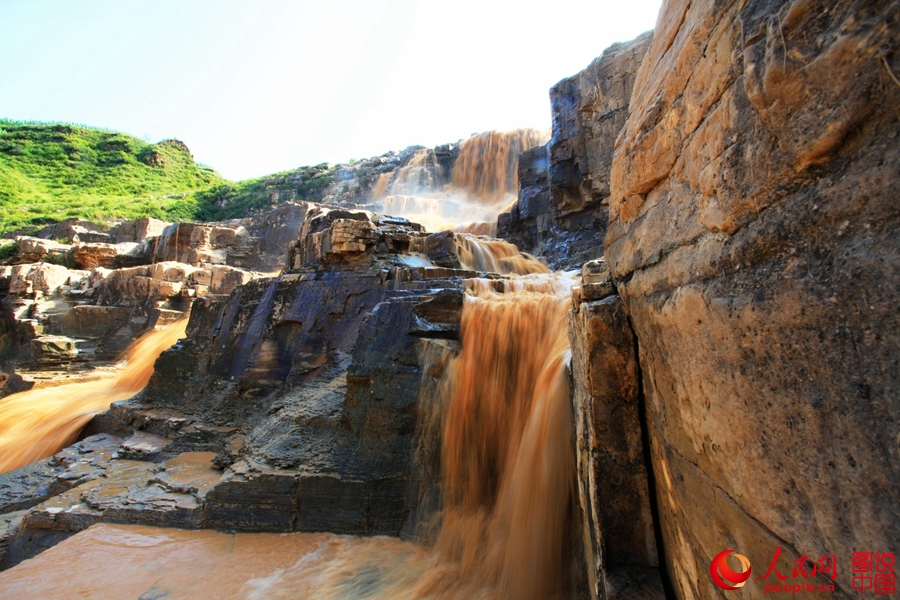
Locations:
(753, 237)
(561, 212)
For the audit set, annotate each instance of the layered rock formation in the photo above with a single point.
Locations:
(86, 294)
(753, 238)
(304, 388)
(562, 209)
(614, 494)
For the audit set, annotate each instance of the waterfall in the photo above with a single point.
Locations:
(502, 418)
(484, 183)
(38, 423)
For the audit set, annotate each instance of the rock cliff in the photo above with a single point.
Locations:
(302, 389)
(562, 209)
(74, 301)
(753, 239)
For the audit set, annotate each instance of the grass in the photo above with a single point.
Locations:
(50, 172)
(234, 200)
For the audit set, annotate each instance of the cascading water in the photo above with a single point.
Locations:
(483, 183)
(488, 163)
(508, 477)
(38, 423)
(480, 253)
(421, 174)
(486, 228)
(507, 460)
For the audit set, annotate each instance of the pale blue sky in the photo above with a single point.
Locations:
(263, 86)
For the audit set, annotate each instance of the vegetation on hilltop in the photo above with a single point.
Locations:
(51, 172)
(55, 171)
(235, 200)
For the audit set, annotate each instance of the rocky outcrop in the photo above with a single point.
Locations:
(61, 319)
(340, 239)
(65, 306)
(561, 212)
(614, 493)
(303, 387)
(529, 222)
(254, 243)
(81, 231)
(753, 237)
(589, 111)
(324, 447)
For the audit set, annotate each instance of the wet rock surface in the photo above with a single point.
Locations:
(299, 392)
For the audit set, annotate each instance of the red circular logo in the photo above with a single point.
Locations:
(723, 576)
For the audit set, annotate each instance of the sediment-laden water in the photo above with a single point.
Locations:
(38, 423)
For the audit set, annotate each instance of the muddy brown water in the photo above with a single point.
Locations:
(507, 476)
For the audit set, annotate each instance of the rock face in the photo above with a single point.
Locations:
(303, 388)
(613, 489)
(589, 111)
(321, 371)
(255, 243)
(528, 224)
(65, 306)
(753, 235)
(340, 239)
(561, 212)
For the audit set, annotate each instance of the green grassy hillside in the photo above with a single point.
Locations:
(235, 200)
(51, 172)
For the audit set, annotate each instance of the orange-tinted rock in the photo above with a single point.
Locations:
(753, 235)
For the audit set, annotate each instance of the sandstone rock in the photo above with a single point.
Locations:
(440, 248)
(9, 527)
(33, 250)
(224, 280)
(328, 433)
(170, 494)
(275, 230)
(139, 230)
(339, 239)
(589, 110)
(752, 236)
(91, 256)
(258, 243)
(528, 223)
(92, 322)
(170, 271)
(597, 282)
(43, 278)
(174, 244)
(613, 484)
(75, 231)
(19, 284)
(54, 348)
